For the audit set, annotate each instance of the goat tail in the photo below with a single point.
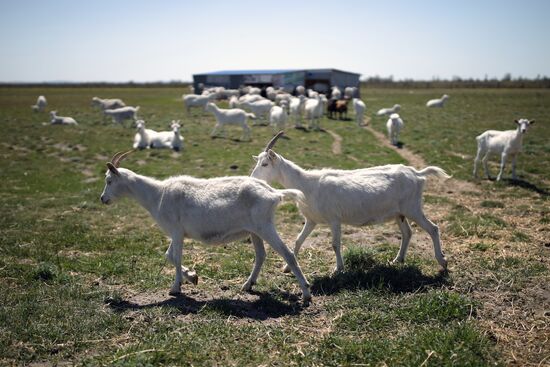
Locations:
(292, 194)
(251, 115)
(433, 171)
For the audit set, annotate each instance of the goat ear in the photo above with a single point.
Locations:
(113, 169)
(531, 122)
(516, 121)
(271, 154)
(255, 157)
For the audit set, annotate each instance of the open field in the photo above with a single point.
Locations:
(87, 284)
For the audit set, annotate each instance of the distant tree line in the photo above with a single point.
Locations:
(507, 81)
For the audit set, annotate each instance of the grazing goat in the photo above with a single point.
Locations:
(195, 100)
(295, 108)
(357, 197)
(61, 120)
(313, 110)
(504, 143)
(278, 117)
(234, 116)
(388, 111)
(359, 107)
(107, 104)
(213, 211)
(167, 139)
(437, 102)
(394, 126)
(259, 108)
(40, 105)
(123, 113)
(339, 107)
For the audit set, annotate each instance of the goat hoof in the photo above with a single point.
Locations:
(174, 292)
(247, 287)
(286, 269)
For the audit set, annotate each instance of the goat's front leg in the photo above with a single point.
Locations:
(306, 231)
(173, 255)
(514, 166)
(336, 230)
(502, 164)
(258, 262)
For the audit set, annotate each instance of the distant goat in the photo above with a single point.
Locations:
(357, 197)
(437, 102)
(233, 116)
(359, 107)
(40, 105)
(167, 139)
(61, 120)
(504, 143)
(213, 211)
(107, 104)
(394, 126)
(123, 113)
(337, 107)
(388, 111)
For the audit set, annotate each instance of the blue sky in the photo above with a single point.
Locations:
(170, 40)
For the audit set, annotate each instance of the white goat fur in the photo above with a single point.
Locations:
(437, 102)
(296, 108)
(213, 211)
(107, 104)
(259, 108)
(313, 109)
(504, 143)
(388, 111)
(356, 197)
(394, 126)
(61, 120)
(167, 139)
(123, 113)
(40, 105)
(233, 116)
(195, 100)
(278, 117)
(359, 107)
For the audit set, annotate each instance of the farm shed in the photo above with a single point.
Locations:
(317, 79)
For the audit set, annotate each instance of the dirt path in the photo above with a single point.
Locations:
(337, 144)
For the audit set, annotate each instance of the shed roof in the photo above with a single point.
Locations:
(272, 71)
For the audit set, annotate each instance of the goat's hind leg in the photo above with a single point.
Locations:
(306, 231)
(270, 235)
(258, 262)
(433, 231)
(173, 255)
(406, 234)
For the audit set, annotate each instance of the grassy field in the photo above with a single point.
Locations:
(88, 284)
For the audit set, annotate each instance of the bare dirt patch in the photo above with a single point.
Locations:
(337, 144)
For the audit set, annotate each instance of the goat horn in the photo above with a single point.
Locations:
(274, 140)
(121, 157)
(115, 157)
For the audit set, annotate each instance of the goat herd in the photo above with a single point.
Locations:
(224, 209)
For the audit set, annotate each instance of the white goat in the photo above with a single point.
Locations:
(234, 116)
(504, 143)
(336, 93)
(359, 107)
(300, 90)
(278, 117)
(123, 113)
(233, 102)
(259, 108)
(388, 111)
(313, 109)
(437, 102)
(167, 139)
(357, 197)
(213, 211)
(394, 126)
(40, 105)
(142, 139)
(61, 120)
(107, 104)
(251, 98)
(295, 108)
(350, 92)
(195, 100)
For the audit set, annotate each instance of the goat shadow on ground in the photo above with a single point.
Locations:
(231, 139)
(263, 308)
(527, 185)
(390, 278)
(523, 184)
